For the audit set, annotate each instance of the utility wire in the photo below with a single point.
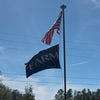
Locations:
(71, 77)
(87, 57)
(50, 82)
(21, 34)
(14, 41)
(86, 43)
(83, 49)
(68, 48)
(31, 81)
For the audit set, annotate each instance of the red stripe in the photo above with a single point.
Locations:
(48, 36)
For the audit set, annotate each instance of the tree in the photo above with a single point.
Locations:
(59, 95)
(29, 93)
(75, 95)
(98, 94)
(9, 94)
(84, 94)
(69, 94)
(0, 76)
(89, 96)
(15, 95)
(78, 95)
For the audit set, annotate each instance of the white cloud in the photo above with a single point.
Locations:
(1, 49)
(42, 92)
(96, 2)
(75, 87)
(80, 87)
(80, 63)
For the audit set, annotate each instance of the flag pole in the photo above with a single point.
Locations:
(63, 7)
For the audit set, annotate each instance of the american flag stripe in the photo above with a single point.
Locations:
(48, 36)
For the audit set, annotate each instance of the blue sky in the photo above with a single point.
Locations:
(22, 26)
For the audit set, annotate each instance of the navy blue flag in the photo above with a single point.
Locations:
(45, 59)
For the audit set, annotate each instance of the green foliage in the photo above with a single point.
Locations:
(0, 76)
(69, 94)
(59, 95)
(9, 94)
(29, 93)
(78, 95)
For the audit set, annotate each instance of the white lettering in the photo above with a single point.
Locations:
(54, 56)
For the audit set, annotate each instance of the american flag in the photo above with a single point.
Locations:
(48, 36)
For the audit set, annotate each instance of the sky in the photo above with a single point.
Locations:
(24, 23)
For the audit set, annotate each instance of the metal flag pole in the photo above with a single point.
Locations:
(63, 7)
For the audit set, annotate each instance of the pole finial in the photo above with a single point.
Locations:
(63, 6)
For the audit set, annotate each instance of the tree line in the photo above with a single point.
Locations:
(85, 94)
(10, 94)
(7, 93)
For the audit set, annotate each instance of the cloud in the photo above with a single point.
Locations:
(80, 86)
(96, 2)
(22, 82)
(80, 63)
(75, 87)
(1, 49)
(42, 92)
